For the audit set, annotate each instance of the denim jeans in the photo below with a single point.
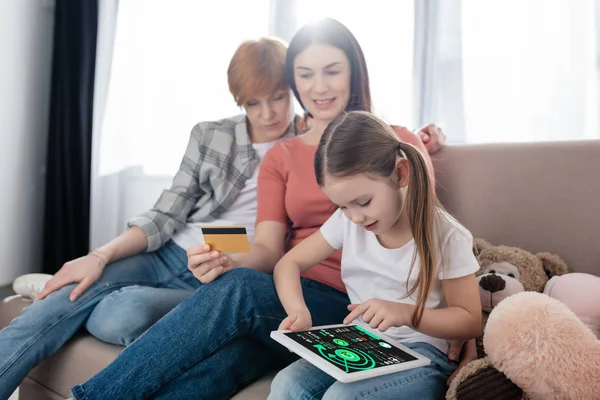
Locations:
(218, 335)
(221, 375)
(302, 380)
(123, 315)
(44, 326)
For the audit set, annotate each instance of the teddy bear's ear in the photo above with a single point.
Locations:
(479, 245)
(553, 264)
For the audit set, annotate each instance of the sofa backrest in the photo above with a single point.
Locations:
(537, 196)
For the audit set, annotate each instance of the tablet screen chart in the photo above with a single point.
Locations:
(350, 348)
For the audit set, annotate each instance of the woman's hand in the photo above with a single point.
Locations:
(381, 314)
(433, 137)
(207, 265)
(297, 321)
(84, 270)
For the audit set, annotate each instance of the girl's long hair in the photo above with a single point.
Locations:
(357, 142)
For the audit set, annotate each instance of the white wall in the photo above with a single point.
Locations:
(26, 29)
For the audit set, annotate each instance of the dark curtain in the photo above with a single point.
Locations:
(67, 206)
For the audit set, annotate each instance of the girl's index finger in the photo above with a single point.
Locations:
(357, 312)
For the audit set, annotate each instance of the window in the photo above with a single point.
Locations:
(168, 73)
(529, 70)
(493, 71)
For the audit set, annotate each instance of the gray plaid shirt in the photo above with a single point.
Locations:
(218, 160)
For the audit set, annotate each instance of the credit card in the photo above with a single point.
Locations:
(227, 239)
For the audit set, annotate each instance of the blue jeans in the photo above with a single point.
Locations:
(123, 315)
(302, 380)
(213, 344)
(44, 326)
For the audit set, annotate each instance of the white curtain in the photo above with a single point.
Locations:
(438, 68)
(511, 70)
(103, 209)
(161, 69)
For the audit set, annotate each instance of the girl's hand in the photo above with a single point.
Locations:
(381, 314)
(207, 265)
(297, 321)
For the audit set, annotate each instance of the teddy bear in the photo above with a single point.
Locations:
(542, 346)
(548, 344)
(581, 293)
(504, 271)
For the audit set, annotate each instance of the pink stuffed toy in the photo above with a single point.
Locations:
(542, 346)
(581, 293)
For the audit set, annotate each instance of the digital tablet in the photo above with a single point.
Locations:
(349, 352)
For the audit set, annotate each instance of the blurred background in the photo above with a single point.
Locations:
(98, 97)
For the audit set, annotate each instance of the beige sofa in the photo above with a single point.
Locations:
(542, 197)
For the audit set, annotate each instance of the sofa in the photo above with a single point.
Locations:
(539, 196)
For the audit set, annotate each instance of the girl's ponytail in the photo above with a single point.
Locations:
(422, 213)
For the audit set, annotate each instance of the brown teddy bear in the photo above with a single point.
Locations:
(503, 272)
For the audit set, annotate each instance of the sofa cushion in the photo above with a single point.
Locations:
(537, 196)
(32, 390)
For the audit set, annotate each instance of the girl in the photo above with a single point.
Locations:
(407, 265)
(195, 349)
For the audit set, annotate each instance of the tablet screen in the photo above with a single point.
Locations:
(351, 348)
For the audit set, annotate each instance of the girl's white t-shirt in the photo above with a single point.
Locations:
(370, 270)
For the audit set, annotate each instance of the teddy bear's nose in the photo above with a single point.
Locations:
(492, 283)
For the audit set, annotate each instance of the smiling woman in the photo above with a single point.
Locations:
(385, 32)
(327, 71)
(322, 75)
